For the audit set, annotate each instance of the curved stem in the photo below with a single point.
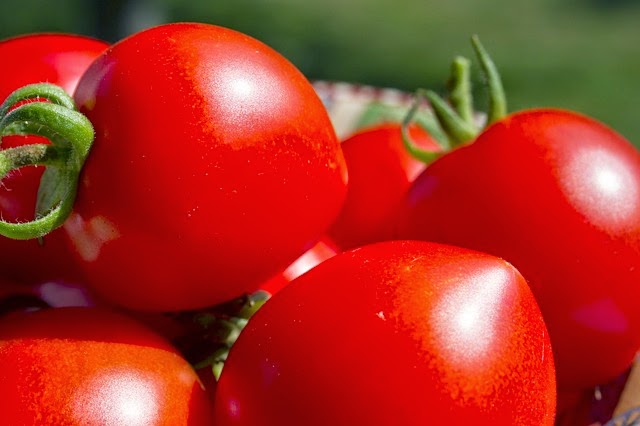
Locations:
(26, 155)
(497, 98)
(64, 127)
(460, 89)
(421, 154)
(52, 93)
(71, 135)
(210, 333)
(459, 130)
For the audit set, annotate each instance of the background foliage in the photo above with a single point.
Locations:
(579, 54)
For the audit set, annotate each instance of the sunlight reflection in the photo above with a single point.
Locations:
(602, 187)
(468, 317)
(118, 398)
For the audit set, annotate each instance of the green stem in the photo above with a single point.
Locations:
(459, 130)
(52, 93)
(457, 118)
(71, 135)
(210, 333)
(27, 155)
(460, 89)
(416, 151)
(497, 98)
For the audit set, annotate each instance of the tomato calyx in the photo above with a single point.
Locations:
(456, 117)
(208, 334)
(70, 133)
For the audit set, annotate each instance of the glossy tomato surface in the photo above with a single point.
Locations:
(46, 57)
(380, 172)
(215, 165)
(34, 58)
(83, 366)
(394, 333)
(557, 194)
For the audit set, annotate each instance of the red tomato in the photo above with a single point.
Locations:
(79, 366)
(323, 250)
(59, 59)
(557, 194)
(380, 172)
(395, 333)
(46, 57)
(215, 165)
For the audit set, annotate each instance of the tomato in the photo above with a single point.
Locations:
(59, 59)
(380, 172)
(321, 251)
(394, 333)
(214, 166)
(78, 366)
(47, 57)
(557, 194)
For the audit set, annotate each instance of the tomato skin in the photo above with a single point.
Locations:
(557, 194)
(212, 152)
(81, 366)
(47, 57)
(380, 172)
(42, 57)
(394, 333)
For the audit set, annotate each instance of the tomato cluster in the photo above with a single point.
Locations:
(187, 241)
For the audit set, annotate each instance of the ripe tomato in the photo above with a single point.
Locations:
(59, 59)
(380, 172)
(46, 57)
(557, 194)
(394, 333)
(78, 366)
(214, 166)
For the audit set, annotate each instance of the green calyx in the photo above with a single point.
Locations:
(70, 134)
(456, 116)
(210, 333)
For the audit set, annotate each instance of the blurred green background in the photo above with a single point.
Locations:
(578, 54)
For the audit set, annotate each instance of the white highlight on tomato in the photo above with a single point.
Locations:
(118, 398)
(602, 186)
(467, 317)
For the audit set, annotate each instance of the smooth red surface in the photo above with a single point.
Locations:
(557, 194)
(215, 165)
(46, 57)
(54, 58)
(82, 366)
(380, 172)
(394, 333)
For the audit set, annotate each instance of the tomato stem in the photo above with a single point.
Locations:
(497, 98)
(460, 89)
(459, 130)
(457, 118)
(211, 332)
(26, 155)
(71, 135)
(413, 148)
